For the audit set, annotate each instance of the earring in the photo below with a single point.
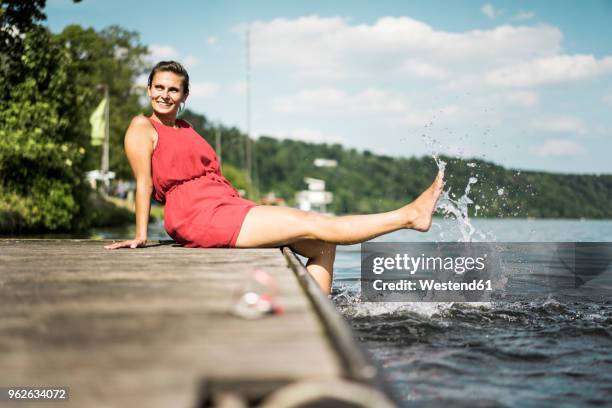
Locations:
(182, 106)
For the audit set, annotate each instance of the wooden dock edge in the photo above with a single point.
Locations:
(356, 365)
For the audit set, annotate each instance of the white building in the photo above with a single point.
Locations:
(315, 198)
(325, 163)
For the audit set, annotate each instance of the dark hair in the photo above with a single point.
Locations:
(171, 66)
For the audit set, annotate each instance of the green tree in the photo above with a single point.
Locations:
(48, 90)
(41, 155)
(113, 58)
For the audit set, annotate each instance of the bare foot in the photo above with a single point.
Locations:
(420, 210)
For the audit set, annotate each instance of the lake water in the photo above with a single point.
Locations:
(527, 351)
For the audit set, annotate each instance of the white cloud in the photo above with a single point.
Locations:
(304, 134)
(332, 48)
(489, 11)
(394, 73)
(423, 117)
(559, 147)
(421, 69)
(550, 70)
(523, 99)
(523, 15)
(211, 40)
(313, 135)
(239, 87)
(190, 62)
(203, 89)
(560, 124)
(158, 52)
(462, 149)
(334, 100)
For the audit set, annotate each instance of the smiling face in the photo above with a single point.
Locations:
(166, 93)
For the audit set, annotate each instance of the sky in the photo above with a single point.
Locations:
(524, 84)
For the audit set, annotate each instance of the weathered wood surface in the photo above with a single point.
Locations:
(145, 327)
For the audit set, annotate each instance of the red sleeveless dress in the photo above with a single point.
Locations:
(202, 208)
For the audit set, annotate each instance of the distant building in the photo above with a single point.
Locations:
(315, 198)
(95, 176)
(325, 163)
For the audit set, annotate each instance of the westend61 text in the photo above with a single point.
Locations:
(430, 284)
(413, 264)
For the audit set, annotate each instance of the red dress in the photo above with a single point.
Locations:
(202, 208)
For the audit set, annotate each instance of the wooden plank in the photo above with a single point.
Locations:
(145, 327)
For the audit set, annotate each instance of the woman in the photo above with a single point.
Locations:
(169, 159)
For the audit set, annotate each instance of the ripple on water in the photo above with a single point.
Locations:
(519, 351)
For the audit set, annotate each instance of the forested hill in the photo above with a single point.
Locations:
(364, 182)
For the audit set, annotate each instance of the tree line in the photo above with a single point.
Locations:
(364, 182)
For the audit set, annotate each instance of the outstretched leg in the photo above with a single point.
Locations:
(269, 226)
(321, 256)
(315, 236)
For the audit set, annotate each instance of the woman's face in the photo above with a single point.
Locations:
(166, 93)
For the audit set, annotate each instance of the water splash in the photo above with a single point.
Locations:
(458, 209)
(347, 299)
(434, 146)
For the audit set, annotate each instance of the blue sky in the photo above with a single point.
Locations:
(524, 84)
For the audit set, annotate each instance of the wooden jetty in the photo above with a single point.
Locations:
(152, 327)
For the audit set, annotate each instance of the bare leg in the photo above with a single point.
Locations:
(269, 226)
(321, 256)
(315, 236)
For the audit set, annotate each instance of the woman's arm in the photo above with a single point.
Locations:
(138, 145)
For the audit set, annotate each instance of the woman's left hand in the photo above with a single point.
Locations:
(131, 243)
